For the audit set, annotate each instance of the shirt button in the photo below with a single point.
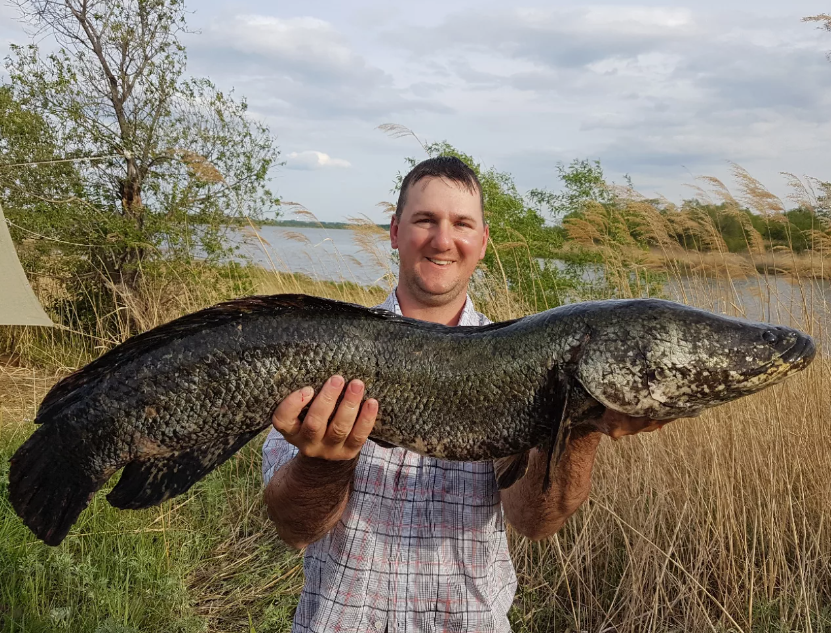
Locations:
(379, 625)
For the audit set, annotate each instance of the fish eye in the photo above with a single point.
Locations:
(769, 336)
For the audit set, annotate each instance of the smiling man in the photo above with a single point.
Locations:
(397, 541)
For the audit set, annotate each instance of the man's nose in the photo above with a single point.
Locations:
(442, 238)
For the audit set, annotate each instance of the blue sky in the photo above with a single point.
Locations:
(663, 91)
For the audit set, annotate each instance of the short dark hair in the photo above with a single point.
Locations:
(448, 167)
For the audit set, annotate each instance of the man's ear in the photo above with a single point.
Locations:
(484, 242)
(394, 232)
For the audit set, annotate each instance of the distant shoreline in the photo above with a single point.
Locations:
(306, 224)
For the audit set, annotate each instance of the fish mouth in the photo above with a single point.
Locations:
(801, 352)
(796, 357)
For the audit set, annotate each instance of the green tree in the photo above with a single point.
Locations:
(169, 152)
(41, 191)
(30, 178)
(582, 181)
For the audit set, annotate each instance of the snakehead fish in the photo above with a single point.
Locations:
(170, 405)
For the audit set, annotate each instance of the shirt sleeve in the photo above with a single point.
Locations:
(276, 452)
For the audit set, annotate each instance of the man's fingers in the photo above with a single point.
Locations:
(316, 436)
(285, 415)
(344, 419)
(321, 409)
(363, 425)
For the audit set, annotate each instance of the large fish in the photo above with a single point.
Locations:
(172, 404)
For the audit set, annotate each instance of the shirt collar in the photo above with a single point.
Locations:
(469, 315)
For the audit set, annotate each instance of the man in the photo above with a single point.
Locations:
(396, 541)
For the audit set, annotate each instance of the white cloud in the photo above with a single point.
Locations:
(654, 91)
(636, 18)
(311, 159)
(313, 43)
(299, 68)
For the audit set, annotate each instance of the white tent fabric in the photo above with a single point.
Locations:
(18, 304)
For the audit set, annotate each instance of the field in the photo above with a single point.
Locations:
(721, 523)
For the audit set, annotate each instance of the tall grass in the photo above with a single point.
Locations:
(720, 523)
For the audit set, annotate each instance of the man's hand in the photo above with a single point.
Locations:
(316, 436)
(307, 496)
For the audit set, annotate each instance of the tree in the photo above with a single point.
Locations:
(824, 21)
(168, 151)
(35, 178)
(33, 188)
(583, 181)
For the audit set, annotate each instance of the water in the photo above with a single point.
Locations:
(806, 305)
(323, 254)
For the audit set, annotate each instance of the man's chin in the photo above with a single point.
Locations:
(436, 294)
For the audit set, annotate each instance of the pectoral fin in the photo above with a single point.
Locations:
(148, 482)
(510, 469)
(560, 432)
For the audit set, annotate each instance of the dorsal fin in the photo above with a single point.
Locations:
(65, 391)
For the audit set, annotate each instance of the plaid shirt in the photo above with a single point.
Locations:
(420, 546)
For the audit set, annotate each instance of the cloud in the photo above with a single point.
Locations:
(300, 48)
(300, 68)
(564, 38)
(310, 159)
(637, 86)
(657, 92)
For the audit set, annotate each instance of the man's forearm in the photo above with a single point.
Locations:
(538, 515)
(306, 497)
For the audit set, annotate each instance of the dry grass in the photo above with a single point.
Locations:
(616, 232)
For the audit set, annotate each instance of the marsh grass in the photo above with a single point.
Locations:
(719, 523)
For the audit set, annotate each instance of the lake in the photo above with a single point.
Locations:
(323, 254)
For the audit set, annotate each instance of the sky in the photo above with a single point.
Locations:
(662, 91)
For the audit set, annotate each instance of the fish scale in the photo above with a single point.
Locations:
(170, 405)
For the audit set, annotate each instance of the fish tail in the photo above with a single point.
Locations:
(47, 487)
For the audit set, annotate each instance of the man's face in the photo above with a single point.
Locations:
(440, 238)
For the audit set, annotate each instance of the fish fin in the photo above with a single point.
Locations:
(383, 444)
(148, 482)
(510, 470)
(562, 431)
(48, 489)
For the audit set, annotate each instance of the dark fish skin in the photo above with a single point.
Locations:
(172, 404)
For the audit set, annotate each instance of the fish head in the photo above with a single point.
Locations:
(659, 359)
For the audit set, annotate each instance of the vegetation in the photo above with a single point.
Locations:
(147, 154)
(313, 224)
